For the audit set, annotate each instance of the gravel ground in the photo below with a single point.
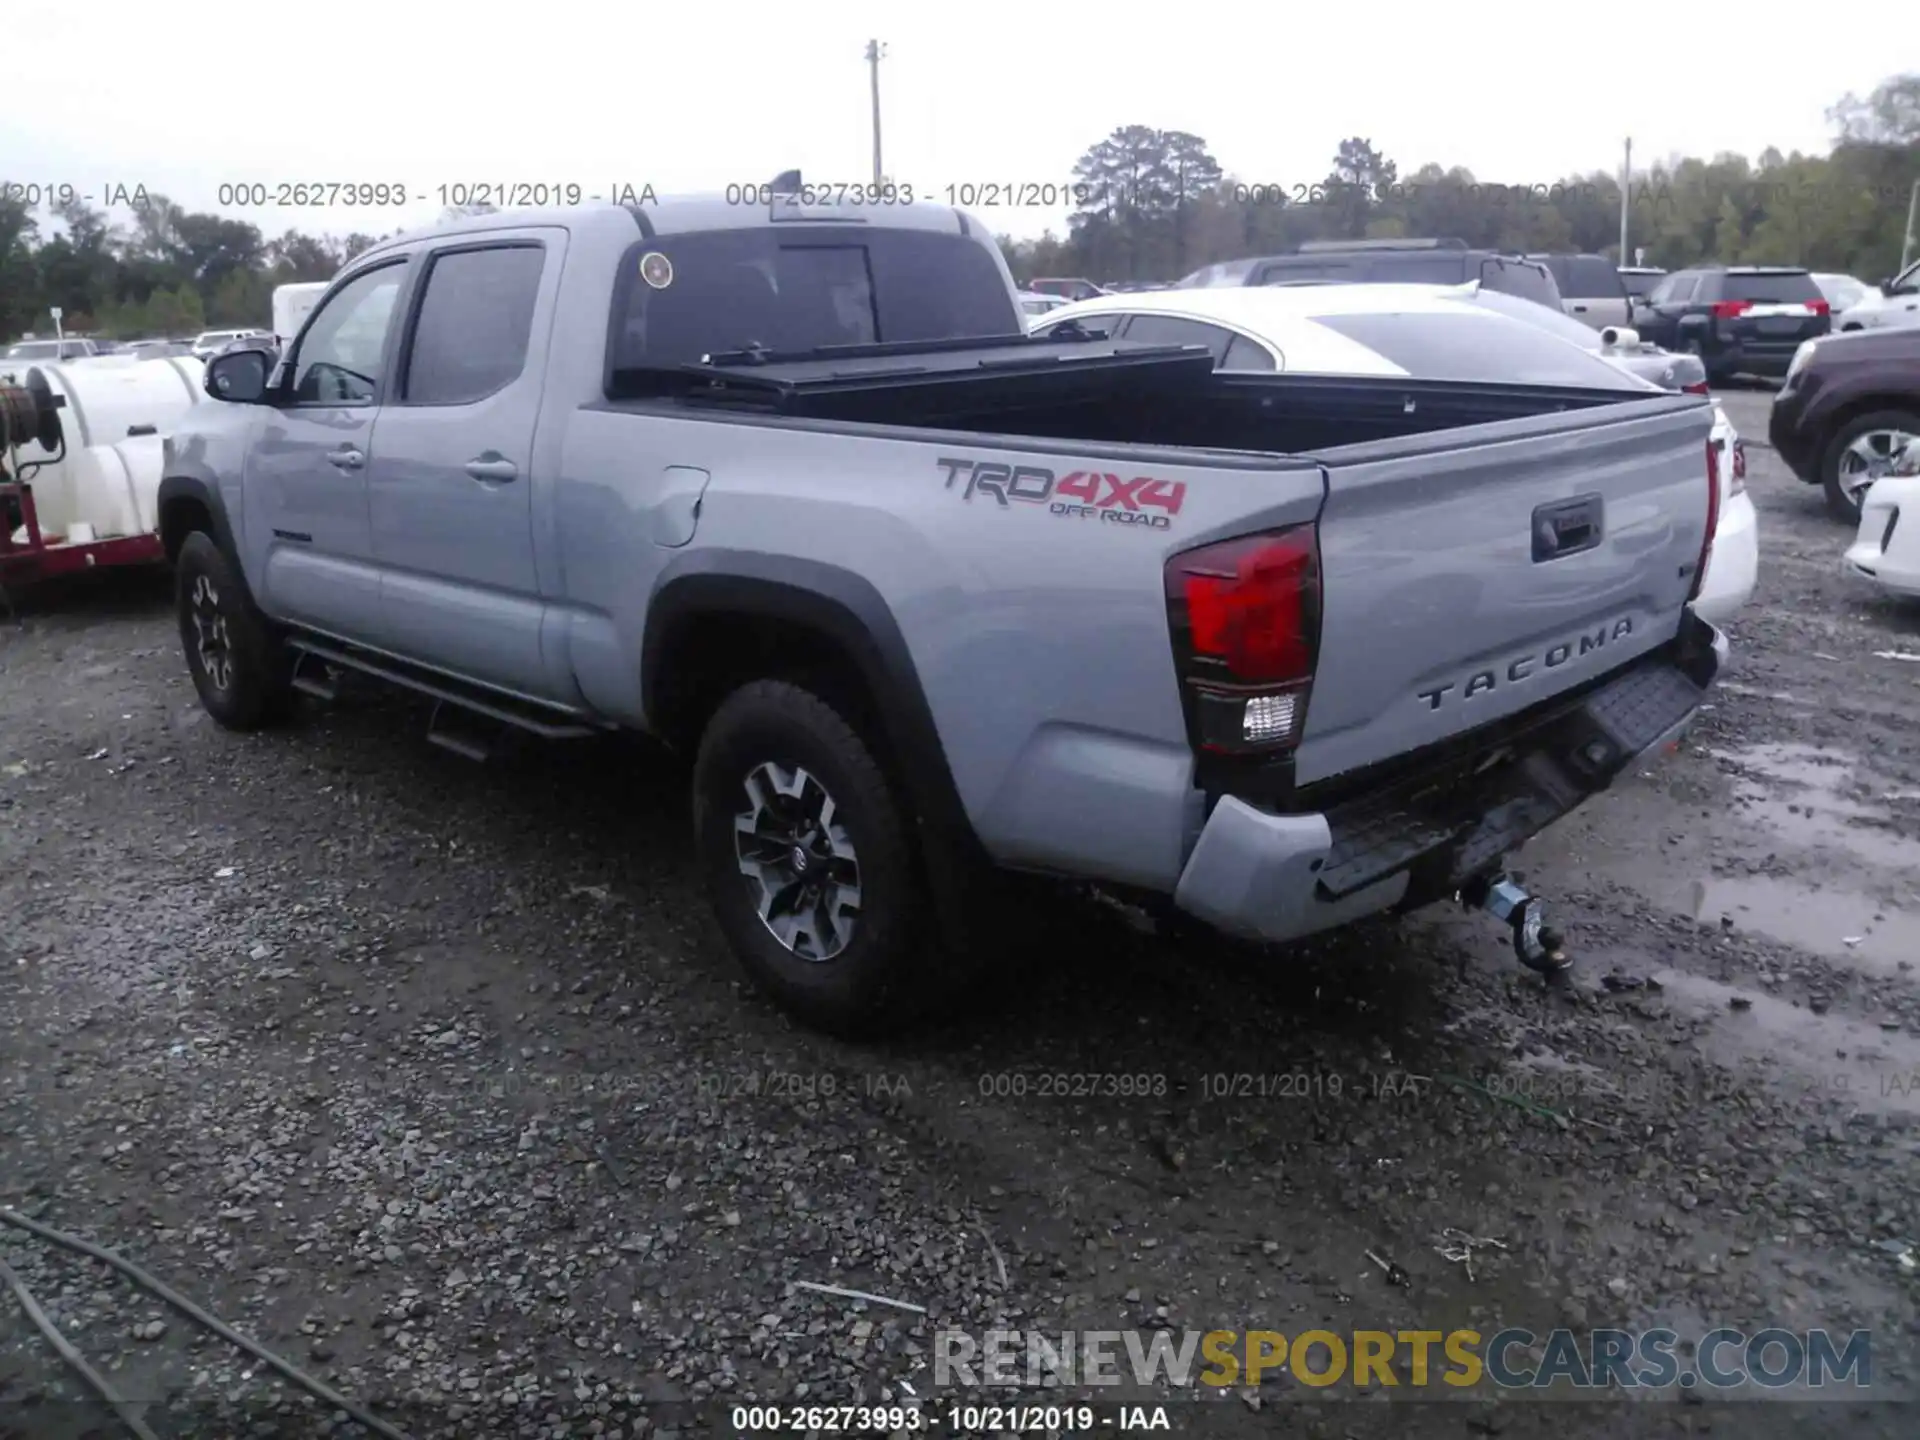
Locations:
(436, 1079)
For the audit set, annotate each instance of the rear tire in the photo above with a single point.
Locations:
(1842, 484)
(239, 667)
(836, 938)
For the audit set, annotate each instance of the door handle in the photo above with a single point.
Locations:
(1567, 528)
(492, 467)
(1579, 309)
(346, 457)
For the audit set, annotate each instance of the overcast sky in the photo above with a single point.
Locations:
(182, 97)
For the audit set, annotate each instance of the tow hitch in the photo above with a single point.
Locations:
(1538, 946)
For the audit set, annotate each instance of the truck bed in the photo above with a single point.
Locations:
(1113, 392)
(1441, 614)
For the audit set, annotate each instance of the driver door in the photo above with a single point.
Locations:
(306, 518)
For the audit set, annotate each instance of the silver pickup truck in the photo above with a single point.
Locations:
(790, 490)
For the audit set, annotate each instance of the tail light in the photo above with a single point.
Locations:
(1699, 387)
(1245, 617)
(1713, 520)
(1819, 307)
(1728, 309)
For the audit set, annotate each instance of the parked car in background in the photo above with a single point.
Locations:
(1033, 304)
(1386, 262)
(1640, 280)
(29, 351)
(1887, 548)
(1893, 303)
(1850, 405)
(158, 349)
(209, 343)
(1391, 329)
(1843, 292)
(1065, 289)
(1591, 290)
(1739, 319)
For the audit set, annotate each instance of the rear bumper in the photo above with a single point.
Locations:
(1734, 569)
(1418, 835)
(1887, 548)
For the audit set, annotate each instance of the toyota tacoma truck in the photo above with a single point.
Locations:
(926, 600)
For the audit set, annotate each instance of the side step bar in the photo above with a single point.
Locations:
(548, 723)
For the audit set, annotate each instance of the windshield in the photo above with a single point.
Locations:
(34, 350)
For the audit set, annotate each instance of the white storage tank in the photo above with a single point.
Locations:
(292, 304)
(108, 405)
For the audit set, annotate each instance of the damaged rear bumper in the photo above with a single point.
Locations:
(1431, 825)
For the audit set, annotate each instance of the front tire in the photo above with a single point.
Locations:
(1859, 453)
(241, 671)
(809, 861)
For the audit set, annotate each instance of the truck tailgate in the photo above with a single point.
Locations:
(1472, 573)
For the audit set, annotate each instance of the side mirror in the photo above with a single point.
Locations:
(1885, 282)
(240, 376)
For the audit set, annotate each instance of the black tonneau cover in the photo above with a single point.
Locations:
(925, 380)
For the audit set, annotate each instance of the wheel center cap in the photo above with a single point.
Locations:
(802, 861)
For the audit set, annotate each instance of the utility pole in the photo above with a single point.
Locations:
(875, 52)
(1626, 185)
(1910, 239)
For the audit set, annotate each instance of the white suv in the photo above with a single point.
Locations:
(1895, 304)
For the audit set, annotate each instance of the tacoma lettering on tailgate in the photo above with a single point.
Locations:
(1523, 667)
(1079, 494)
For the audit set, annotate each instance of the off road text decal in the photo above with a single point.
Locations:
(1079, 494)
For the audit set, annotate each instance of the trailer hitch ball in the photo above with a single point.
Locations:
(1536, 945)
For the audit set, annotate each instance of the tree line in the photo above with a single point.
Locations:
(1154, 205)
(1149, 205)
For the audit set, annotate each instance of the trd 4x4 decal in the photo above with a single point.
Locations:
(1079, 494)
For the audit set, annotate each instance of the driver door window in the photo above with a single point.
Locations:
(343, 353)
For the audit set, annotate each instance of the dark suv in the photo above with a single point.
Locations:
(1738, 319)
(1849, 406)
(1387, 262)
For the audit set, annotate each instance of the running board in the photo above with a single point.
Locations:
(521, 714)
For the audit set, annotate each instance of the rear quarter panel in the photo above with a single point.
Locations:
(1038, 629)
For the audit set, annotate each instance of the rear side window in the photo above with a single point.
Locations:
(476, 318)
(1790, 288)
(1588, 277)
(799, 290)
(1473, 345)
(1173, 330)
(1245, 354)
(1530, 281)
